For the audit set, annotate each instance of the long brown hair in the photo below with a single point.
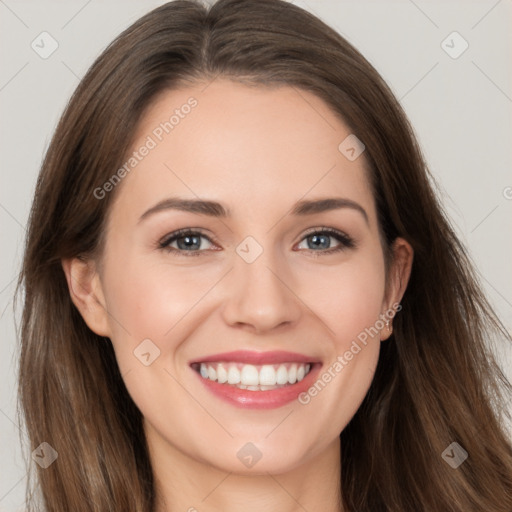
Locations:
(436, 382)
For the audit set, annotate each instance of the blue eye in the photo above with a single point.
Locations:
(189, 242)
(321, 238)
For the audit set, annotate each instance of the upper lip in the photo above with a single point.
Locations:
(257, 358)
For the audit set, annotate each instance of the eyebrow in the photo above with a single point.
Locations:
(215, 209)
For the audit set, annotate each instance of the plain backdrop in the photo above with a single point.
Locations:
(460, 107)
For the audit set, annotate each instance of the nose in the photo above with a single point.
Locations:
(260, 295)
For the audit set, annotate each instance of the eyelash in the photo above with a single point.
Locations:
(345, 241)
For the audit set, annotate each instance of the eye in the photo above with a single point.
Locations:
(188, 242)
(320, 239)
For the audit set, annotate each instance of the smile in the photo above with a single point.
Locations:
(253, 377)
(256, 380)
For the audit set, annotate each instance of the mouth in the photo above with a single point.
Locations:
(265, 377)
(258, 380)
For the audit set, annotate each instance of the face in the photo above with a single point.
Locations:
(256, 317)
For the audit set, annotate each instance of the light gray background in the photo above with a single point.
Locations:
(460, 109)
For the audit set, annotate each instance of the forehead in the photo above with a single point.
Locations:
(244, 144)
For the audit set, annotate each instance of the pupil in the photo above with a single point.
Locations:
(189, 240)
(316, 238)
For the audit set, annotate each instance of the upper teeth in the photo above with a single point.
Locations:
(251, 375)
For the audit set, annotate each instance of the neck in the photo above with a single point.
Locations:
(186, 484)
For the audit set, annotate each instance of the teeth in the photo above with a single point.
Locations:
(233, 374)
(292, 374)
(254, 378)
(282, 375)
(267, 376)
(222, 374)
(249, 375)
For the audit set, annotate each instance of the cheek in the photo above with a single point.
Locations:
(147, 301)
(348, 297)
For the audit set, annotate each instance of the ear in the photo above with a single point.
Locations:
(397, 280)
(86, 293)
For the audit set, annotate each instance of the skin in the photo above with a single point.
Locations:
(257, 151)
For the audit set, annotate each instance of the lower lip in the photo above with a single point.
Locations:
(270, 399)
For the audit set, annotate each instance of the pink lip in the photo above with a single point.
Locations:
(271, 399)
(250, 357)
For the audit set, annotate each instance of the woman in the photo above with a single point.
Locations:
(241, 290)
